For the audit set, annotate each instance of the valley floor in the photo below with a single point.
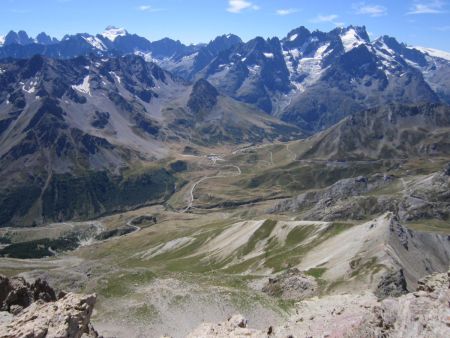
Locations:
(338, 234)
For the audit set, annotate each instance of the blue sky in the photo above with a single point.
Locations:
(416, 22)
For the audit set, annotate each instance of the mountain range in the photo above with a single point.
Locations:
(101, 115)
(280, 76)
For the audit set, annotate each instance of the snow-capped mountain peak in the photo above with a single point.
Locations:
(2, 40)
(112, 33)
(351, 38)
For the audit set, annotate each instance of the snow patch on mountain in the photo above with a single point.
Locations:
(95, 42)
(2, 40)
(190, 57)
(84, 87)
(254, 71)
(117, 77)
(320, 53)
(350, 39)
(112, 33)
(293, 37)
(148, 57)
(306, 69)
(269, 55)
(31, 87)
(383, 51)
(311, 68)
(433, 52)
(386, 56)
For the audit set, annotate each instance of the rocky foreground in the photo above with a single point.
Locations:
(424, 313)
(33, 311)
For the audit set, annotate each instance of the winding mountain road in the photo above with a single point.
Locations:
(195, 185)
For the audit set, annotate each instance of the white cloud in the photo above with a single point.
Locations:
(427, 7)
(368, 9)
(237, 6)
(148, 8)
(286, 11)
(331, 18)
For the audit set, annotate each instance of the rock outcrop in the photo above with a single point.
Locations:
(16, 294)
(392, 284)
(69, 317)
(33, 311)
(291, 285)
(424, 313)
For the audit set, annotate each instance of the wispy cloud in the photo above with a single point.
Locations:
(363, 8)
(148, 8)
(325, 18)
(286, 11)
(443, 28)
(20, 11)
(427, 7)
(237, 6)
(331, 18)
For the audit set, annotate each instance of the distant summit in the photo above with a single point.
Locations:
(112, 33)
(20, 38)
(45, 39)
